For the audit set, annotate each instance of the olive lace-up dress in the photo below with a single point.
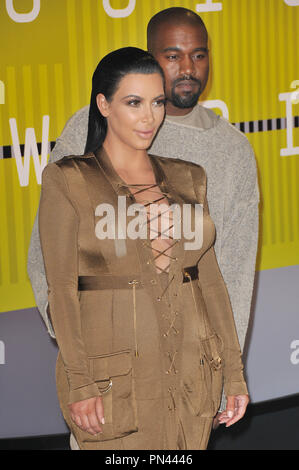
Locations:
(144, 322)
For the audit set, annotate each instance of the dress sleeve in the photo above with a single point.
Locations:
(221, 318)
(70, 142)
(58, 229)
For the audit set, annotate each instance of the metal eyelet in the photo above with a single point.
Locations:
(105, 390)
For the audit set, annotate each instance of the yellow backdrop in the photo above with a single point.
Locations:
(49, 49)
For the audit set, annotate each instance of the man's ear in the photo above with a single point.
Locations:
(103, 105)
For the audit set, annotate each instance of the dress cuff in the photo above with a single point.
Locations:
(235, 388)
(47, 318)
(82, 393)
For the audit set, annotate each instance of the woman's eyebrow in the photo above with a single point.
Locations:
(140, 98)
(160, 96)
(132, 96)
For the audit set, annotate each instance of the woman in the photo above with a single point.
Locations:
(143, 320)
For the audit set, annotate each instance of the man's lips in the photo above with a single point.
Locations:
(187, 85)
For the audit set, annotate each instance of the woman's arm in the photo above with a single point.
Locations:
(70, 142)
(58, 228)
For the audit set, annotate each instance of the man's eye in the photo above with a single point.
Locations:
(199, 56)
(172, 57)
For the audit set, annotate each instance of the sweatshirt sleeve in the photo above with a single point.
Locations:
(221, 318)
(58, 229)
(238, 250)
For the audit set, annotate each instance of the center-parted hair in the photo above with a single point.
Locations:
(106, 78)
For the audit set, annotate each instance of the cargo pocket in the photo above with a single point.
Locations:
(212, 347)
(113, 376)
(195, 391)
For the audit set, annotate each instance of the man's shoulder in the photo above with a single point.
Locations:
(226, 136)
(78, 115)
(227, 131)
(77, 121)
(208, 130)
(178, 165)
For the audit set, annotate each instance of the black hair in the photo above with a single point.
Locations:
(106, 78)
(173, 15)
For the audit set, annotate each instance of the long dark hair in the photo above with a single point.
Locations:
(110, 70)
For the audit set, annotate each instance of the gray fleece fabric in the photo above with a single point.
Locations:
(225, 153)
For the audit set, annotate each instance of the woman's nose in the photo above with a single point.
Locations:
(148, 115)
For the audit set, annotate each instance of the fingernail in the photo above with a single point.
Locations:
(103, 420)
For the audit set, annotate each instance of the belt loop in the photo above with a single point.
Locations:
(200, 333)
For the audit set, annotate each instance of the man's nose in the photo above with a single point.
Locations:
(187, 65)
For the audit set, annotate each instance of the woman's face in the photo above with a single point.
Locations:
(136, 110)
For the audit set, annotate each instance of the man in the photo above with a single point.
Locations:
(177, 38)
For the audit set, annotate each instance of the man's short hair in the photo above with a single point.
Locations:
(174, 15)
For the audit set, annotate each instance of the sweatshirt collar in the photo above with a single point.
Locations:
(200, 117)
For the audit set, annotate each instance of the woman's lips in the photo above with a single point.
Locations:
(145, 134)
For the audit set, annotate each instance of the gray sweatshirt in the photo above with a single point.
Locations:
(232, 192)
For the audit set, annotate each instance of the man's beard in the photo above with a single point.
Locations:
(190, 99)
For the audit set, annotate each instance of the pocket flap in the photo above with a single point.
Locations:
(107, 366)
(213, 347)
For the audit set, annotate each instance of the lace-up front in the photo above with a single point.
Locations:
(159, 221)
(162, 249)
(159, 225)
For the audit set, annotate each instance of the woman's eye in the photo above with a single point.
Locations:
(133, 103)
(161, 102)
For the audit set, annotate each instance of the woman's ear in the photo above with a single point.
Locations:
(103, 105)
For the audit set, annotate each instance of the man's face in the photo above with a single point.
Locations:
(182, 52)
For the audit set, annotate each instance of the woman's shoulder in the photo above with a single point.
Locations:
(67, 159)
(60, 166)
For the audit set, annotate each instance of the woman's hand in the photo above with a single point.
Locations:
(235, 409)
(88, 414)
